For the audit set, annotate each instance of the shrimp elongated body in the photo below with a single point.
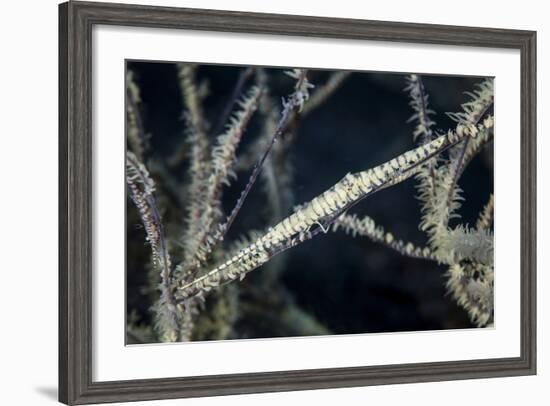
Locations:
(322, 209)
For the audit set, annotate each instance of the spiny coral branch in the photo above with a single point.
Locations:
(367, 227)
(223, 153)
(419, 104)
(195, 117)
(223, 157)
(474, 109)
(486, 216)
(438, 209)
(234, 98)
(141, 188)
(197, 180)
(135, 132)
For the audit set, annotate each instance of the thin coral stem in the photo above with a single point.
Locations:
(367, 227)
(486, 216)
(320, 96)
(294, 102)
(424, 133)
(276, 174)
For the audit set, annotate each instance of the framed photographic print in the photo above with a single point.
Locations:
(258, 202)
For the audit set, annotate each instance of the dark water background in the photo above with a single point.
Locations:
(351, 285)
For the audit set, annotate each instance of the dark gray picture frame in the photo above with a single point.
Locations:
(76, 20)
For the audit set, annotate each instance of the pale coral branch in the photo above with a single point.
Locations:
(486, 216)
(195, 119)
(367, 227)
(135, 131)
(196, 192)
(222, 160)
(235, 94)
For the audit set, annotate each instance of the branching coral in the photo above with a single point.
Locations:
(194, 300)
(320, 212)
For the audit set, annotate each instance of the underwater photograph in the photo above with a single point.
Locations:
(270, 202)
